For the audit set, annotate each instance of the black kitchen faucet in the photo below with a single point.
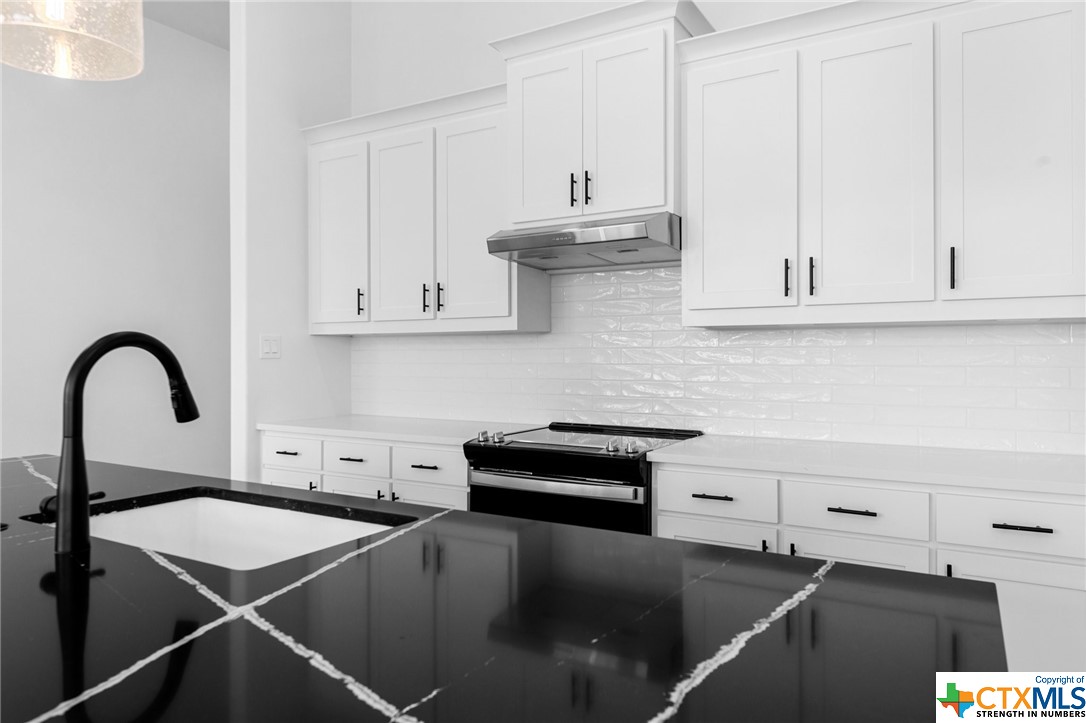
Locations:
(72, 502)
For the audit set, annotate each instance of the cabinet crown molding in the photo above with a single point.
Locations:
(803, 25)
(429, 110)
(684, 12)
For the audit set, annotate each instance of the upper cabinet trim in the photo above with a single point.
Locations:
(627, 17)
(426, 111)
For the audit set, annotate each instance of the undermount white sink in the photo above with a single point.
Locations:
(235, 535)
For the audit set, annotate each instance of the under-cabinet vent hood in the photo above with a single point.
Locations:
(636, 240)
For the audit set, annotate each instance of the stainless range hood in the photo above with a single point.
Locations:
(648, 240)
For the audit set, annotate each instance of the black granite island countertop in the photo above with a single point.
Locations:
(463, 617)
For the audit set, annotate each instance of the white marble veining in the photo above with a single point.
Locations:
(618, 354)
(1051, 473)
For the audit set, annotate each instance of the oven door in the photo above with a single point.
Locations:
(605, 506)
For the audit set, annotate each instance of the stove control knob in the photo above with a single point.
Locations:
(631, 448)
(484, 436)
(499, 437)
(612, 446)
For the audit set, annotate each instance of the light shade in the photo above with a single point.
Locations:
(79, 39)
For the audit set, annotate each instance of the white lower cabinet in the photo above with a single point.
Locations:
(431, 475)
(1042, 605)
(1031, 545)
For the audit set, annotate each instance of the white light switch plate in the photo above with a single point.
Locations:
(269, 346)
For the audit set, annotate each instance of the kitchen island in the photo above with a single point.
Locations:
(458, 616)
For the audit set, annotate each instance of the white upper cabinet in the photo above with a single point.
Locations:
(592, 113)
(470, 206)
(867, 154)
(545, 137)
(836, 123)
(402, 225)
(402, 203)
(338, 231)
(624, 135)
(1012, 152)
(739, 223)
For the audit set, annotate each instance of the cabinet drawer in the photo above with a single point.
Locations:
(751, 537)
(861, 552)
(996, 568)
(1050, 529)
(718, 495)
(288, 478)
(432, 495)
(372, 460)
(294, 452)
(867, 510)
(424, 464)
(358, 486)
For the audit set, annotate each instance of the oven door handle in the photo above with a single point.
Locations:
(615, 492)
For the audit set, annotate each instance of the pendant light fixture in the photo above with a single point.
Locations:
(77, 39)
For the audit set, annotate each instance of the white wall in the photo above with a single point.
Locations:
(290, 68)
(116, 217)
(618, 354)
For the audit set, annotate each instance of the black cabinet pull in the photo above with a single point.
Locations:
(587, 178)
(843, 511)
(358, 300)
(949, 570)
(424, 466)
(572, 189)
(1022, 528)
(312, 486)
(351, 459)
(787, 267)
(810, 276)
(953, 269)
(792, 549)
(289, 454)
(722, 498)
(814, 630)
(440, 303)
(380, 495)
(395, 497)
(425, 297)
(765, 546)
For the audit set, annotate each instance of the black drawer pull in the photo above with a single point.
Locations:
(358, 299)
(765, 546)
(351, 459)
(786, 270)
(843, 511)
(722, 498)
(949, 570)
(792, 549)
(424, 466)
(380, 495)
(953, 269)
(289, 454)
(810, 276)
(1022, 528)
(425, 297)
(312, 486)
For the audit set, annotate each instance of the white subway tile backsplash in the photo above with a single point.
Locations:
(618, 353)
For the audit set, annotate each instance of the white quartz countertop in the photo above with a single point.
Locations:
(1046, 473)
(395, 429)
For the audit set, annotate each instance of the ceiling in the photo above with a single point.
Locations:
(208, 20)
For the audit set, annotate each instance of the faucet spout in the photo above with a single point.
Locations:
(73, 507)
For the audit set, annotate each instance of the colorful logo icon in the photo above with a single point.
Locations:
(959, 700)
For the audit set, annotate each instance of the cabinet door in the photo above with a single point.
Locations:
(358, 486)
(891, 555)
(740, 222)
(625, 106)
(1012, 152)
(545, 137)
(471, 205)
(402, 225)
(338, 231)
(418, 493)
(288, 478)
(867, 154)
